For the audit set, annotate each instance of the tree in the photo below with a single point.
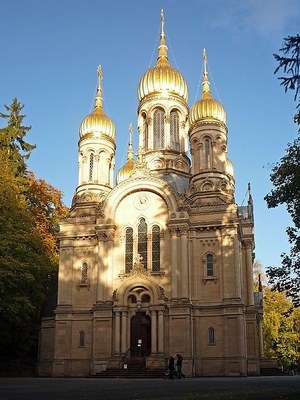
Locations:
(285, 177)
(12, 137)
(281, 324)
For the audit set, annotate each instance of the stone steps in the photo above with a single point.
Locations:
(132, 373)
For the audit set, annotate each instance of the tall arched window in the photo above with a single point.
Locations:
(142, 241)
(145, 132)
(84, 272)
(128, 249)
(211, 335)
(174, 130)
(91, 166)
(209, 265)
(155, 248)
(81, 339)
(207, 149)
(158, 129)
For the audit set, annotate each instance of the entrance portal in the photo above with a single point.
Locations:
(140, 336)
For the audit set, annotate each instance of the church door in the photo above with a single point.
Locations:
(140, 336)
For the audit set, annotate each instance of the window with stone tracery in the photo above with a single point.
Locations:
(128, 249)
(141, 250)
(159, 129)
(174, 130)
(145, 132)
(155, 248)
(207, 149)
(209, 265)
(142, 241)
(91, 166)
(84, 272)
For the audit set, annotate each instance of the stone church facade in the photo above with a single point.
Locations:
(162, 262)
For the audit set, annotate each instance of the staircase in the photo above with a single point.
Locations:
(133, 372)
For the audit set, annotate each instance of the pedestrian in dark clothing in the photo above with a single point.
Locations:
(179, 367)
(171, 367)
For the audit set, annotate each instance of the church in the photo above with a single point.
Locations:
(160, 262)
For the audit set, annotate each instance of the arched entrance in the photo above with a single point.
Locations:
(140, 337)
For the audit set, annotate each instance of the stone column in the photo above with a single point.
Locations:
(237, 267)
(109, 264)
(260, 336)
(153, 332)
(174, 264)
(117, 332)
(124, 332)
(160, 331)
(250, 288)
(100, 272)
(184, 263)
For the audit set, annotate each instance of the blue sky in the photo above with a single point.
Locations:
(50, 51)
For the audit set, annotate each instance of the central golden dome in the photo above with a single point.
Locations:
(162, 77)
(97, 123)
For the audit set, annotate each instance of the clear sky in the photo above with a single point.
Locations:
(50, 51)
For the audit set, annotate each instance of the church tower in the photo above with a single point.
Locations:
(96, 152)
(163, 115)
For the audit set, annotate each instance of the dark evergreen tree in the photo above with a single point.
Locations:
(285, 177)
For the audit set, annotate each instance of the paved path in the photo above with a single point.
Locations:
(282, 387)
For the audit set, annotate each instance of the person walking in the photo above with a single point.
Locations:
(171, 367)
(179, 367)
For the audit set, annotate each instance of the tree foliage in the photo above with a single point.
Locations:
(285, 177)
(30, 210)
(281, 326)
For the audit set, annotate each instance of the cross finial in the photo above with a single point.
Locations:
(130, 133)
(100, 76)
(204, 61)
(162, 21)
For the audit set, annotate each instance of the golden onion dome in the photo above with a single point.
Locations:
(97, 123)
(162, 78)
(127, 169)
(207, 108)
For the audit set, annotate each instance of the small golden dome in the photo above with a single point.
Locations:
(127, 169)
(162, 77)
(207, 108)
(97, 123)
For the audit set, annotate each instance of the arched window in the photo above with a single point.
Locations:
(81, 339)
(155, 248)
(145, 132)
(145, 298)
(207, 149)
(209, 265)
(132, 299)
(84, 272)
(158, 129)
(128, 249)
(142, 241)
(211, 335)
(91, 166)
(174, 130)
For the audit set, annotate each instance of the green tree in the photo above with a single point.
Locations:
(281, 324)
(285, 177)
(12, 137)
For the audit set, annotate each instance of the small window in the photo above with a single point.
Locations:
(132, 298)
(209, 265)
(142, 241)
(81, 338)
(158, 129)
(211, 335)
(155, 248)
(145, 298)
(174, 130)
(128, 250)
(84, 272)
(207, 149)
(91, 166)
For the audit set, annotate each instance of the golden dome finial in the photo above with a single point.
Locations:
(98, 100)
(130, 154)
(205, 83)
(162, 49)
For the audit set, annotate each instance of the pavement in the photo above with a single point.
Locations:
(252, 388)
